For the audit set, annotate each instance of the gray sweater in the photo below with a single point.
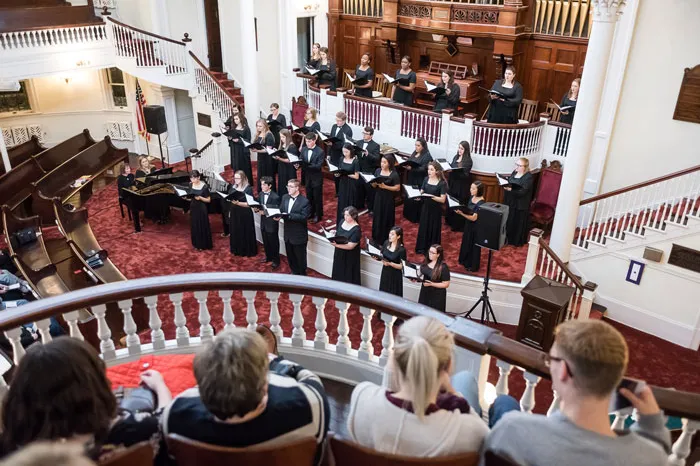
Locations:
(535, 440)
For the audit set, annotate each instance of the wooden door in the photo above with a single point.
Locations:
(211, 15)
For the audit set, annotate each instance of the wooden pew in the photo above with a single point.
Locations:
(23, 152)
(16, 186)
(52, 158)
(22, 19)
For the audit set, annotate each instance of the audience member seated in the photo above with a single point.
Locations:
(419, 411)
(586, 362)
(49, 454)
(247, 396)
(60, 392)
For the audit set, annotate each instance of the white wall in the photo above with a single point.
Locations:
(183, 17)
(231, 42)
(185, 120)
(135, 13)
(269, 42)
(646, 142)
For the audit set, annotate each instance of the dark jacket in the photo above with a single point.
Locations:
(295, 228)
(312, 167)
(268, 224)
(369, 162)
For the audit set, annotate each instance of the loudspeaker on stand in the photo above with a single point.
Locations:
(491, 226)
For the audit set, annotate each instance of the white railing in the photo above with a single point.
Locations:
(205, 159)
(421, 124)
(148, 49)
(555, 142)
(314, 99)
(362, 112)
(52, 37)
(213, 92)
(638, 209)
(510, 141)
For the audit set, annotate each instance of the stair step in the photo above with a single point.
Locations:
(659, 230)
(219, 75)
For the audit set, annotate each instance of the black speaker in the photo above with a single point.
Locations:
(154, 116)
(491, 225)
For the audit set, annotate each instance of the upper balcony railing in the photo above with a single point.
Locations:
(351, 360)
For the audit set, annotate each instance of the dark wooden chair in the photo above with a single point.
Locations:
(492, 459)
(140, 454)
(187, 452)
(528, 110)
(545, 201)
(347, 453)
(553, 111)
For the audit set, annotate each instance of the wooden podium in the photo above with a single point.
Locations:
(545, 304)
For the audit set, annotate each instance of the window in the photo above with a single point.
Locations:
(115, 78)
(15, 101)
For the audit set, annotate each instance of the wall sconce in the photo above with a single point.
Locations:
(67, 79)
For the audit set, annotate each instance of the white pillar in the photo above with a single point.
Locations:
(605, 16)
(5, 156)
(249, 57)
(175, 151)
(287, 24)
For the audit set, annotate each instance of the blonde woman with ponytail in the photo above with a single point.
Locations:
(418, 411)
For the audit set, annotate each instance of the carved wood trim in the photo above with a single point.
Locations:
(688, 103)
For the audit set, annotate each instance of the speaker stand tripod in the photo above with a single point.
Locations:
(160, 146)
(486, 309)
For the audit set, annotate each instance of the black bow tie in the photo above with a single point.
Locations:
(292, 198)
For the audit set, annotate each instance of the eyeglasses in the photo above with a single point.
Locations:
(548, 358)
(519, 165)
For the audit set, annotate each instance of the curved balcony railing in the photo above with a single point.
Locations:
(340, 358)
(510, 141)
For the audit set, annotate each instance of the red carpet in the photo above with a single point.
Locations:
(166, 249)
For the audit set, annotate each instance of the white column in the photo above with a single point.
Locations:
(287, 24)
(5, 156)
(249, 56)
(175, 151)
(605, 16)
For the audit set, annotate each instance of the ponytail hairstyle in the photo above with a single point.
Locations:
(422, 350)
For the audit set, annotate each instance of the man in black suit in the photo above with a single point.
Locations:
(313, 158)
(296, 233)
(268, 226)
(369, 162)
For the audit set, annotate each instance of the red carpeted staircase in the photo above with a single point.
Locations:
(230, 86)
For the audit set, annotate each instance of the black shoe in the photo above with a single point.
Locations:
(225, 235)
(313, 220)
(275, 266)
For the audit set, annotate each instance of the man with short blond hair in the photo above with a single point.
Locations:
(586, 363)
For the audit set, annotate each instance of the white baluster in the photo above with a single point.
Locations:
(206, 331)
(133, 342)
(154, 322)
(228, 316)
(251, 315)
(527, 401)
(71, 319)
(321, 337)
(387, 339)
(504, 369)
(298, 332)
(681, 448)
(43, 328)
(182, 333)
(366, 352)
(13, 335)
(104, 333)
(275, 317)
(343, 344)
(620, 418)
(554, 407)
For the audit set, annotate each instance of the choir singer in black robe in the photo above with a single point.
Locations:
(416, 174)
(275, 115)
(296, 232)
(518, 202)
(450, 98)
(269, 228)
(312, 158)
(504, 108)
(369, 162)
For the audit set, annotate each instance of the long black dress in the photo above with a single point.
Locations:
(566, 102)
(286, 171)
(431, 296)
(444, 101)
(391, 280)
(267, 166)
(348, 188)
(200, 230)
(329, 75)
(369, 75)
(470, 253)
(401, 96)
(430, 226)
(415, 177)
(460, 182)
(240, 156)
(346, 263)
(242, 228)
(276, 131)
(505, 111)
(384, 208)
(518, 202)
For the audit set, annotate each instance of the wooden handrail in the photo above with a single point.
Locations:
(640, 185)
(484, 124)
(201, 65)
(146, 32)
(559, 124)
(577, 283)
(206, 146)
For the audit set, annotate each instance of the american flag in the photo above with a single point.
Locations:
(140, 120)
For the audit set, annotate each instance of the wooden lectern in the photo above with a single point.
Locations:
(545, 304)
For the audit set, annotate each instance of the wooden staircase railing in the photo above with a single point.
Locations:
(220, 98)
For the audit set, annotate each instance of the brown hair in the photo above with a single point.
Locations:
(467, 155)
(596, 352)
(49, 453)
(244, 179)
(59, 390)
(450, 81)
(352, 212)
(342, 116)
(438, 170)
(314, 112)
(241, 118)
(438, 263)
(577, 81)
(287, 138)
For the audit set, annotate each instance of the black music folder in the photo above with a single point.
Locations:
(433, 89)
(357, 81)
(333, 238)
(504, 183)
(401, 81)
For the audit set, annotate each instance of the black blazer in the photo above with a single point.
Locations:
(369, 162)
(339, 132)
(268, 224)
(312, 167)
(295, 228)
(520, 199)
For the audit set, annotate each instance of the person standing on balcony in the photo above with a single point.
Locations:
(436, 279)
(296, 231)
(242, 223)
(449, 99)
(267, 166)
(311, 122)
(369, 163)
(403, 93)
(503, 108)
(199, 212)
(363, 70)
(421, 410)
(430, 226)
(240, 155)
(315, 57)
(275, 115)
(346, 258)
(393, 252)
(384, 216)
(313, 159)
(517, 198)
(459, 183)
(416, 174)
(285, 168)
(328, 72)
(348, 182)
(587, 362)
(469, 252)
(569, 100)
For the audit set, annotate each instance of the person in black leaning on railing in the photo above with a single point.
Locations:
(348, 182)
(267, 166)
(393, 252)
(275, 115)
(518, 198)
(503, 108)
(369, 162)
(569, 100)
(346, 259)
(296, 231)
(384, 216)
(364, 71)
(313, 159)
(328, 71)
(242, 224)
(286, 170)
(269, 228)
(436, 279)
(403, 93)
(469, 252)
(450, 98)
(415, 177)
(75, 402)
(240, 155)
(459, 183)
(430, 226)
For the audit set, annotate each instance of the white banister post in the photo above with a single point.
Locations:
(681, 448)
(468, 128)
(544, 152)
(275, 317)
(133, 342)
(43, 328)
(71, 319)
(589, 293)
(620, 418)
(222, 151)
(366, 351)
(227, 315)
(554, 407)
(504, 369)
(605, 17)
(387, 339)
(251, 315)
(298, 332)
(206, 331)
(3, 153)
(321, 337)
(104, 333)
(154, 321)
(533, 253)
(182, 333)
(343, 344)
(17, 349)
(527, 401)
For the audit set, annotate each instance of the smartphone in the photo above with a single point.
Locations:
(618, 401)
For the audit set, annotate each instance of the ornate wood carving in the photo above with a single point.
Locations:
(416, 11)
(465, 15)
(688, 104)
